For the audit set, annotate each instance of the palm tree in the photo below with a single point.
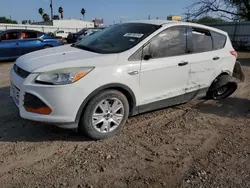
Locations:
(41, 11)
(46, 17)
(83, 12)
(60, 10)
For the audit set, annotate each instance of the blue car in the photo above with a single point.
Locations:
(17, 42)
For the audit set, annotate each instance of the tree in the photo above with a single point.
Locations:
(24, 22)
(46, 17)
(56, 17)
(7, 20)
(30, 22)
(41, 11)
(229, 9)
(209, 19)
(83, 13)
(60, 10)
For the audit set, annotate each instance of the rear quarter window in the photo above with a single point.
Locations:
(219, 40)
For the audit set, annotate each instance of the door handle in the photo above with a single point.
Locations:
(183, 63)
(133, 72)
(216, 58)
(17, 43)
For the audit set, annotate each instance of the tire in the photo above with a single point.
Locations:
(99, 109)
(222, 88)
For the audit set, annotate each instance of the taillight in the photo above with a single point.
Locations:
(234, 53)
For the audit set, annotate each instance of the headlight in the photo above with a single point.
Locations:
(63, 76)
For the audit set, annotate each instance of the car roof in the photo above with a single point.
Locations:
(167, 22)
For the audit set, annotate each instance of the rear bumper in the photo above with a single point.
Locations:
(238, 72)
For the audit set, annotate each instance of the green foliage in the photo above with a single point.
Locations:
(7, 20)
(41, 11)
(209, 19)
(229, 9)
(60, 10)
(46, 17)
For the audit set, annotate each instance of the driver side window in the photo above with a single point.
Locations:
(170, 42)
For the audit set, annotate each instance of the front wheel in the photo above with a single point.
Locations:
(105, 115)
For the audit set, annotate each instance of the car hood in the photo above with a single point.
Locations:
(62, 57)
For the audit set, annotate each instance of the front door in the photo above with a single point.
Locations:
(9, 46)
(164, 69)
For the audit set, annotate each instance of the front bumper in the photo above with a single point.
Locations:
(64, 100)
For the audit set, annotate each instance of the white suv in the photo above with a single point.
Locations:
(124, 70)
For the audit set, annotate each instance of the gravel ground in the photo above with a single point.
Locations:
(198, 144)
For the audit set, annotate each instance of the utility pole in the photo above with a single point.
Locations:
(149, 17)
(51, 9)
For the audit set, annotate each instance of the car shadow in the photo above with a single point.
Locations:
(13, 128)
(231, 107)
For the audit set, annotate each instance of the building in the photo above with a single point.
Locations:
(174, 18)
(67, 23)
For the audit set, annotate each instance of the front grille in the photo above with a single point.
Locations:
(22, 73)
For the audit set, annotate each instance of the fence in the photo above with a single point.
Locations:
(42, 28)
(239, 33)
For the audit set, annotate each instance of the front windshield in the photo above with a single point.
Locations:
(117, 38)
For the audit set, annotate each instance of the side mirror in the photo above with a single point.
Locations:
(147, 57)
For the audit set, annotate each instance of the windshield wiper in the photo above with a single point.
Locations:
(85, 48)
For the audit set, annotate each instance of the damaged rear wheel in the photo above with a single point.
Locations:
(224, 91)
(223, 87)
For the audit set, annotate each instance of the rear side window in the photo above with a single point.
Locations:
(39, 34)
(29, 35)
(202, 40)
(219, 40)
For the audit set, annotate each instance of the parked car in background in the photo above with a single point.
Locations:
(62, 33)
(124, 70)
(72, 37)
(57, 37)
(17, 42)
(89, 32)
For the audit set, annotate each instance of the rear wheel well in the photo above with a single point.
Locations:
(223, 73)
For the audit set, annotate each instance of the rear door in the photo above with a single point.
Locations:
(205, 60)
(9, 46)
(30, 42)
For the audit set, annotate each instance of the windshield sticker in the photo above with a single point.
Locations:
(134, 35)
